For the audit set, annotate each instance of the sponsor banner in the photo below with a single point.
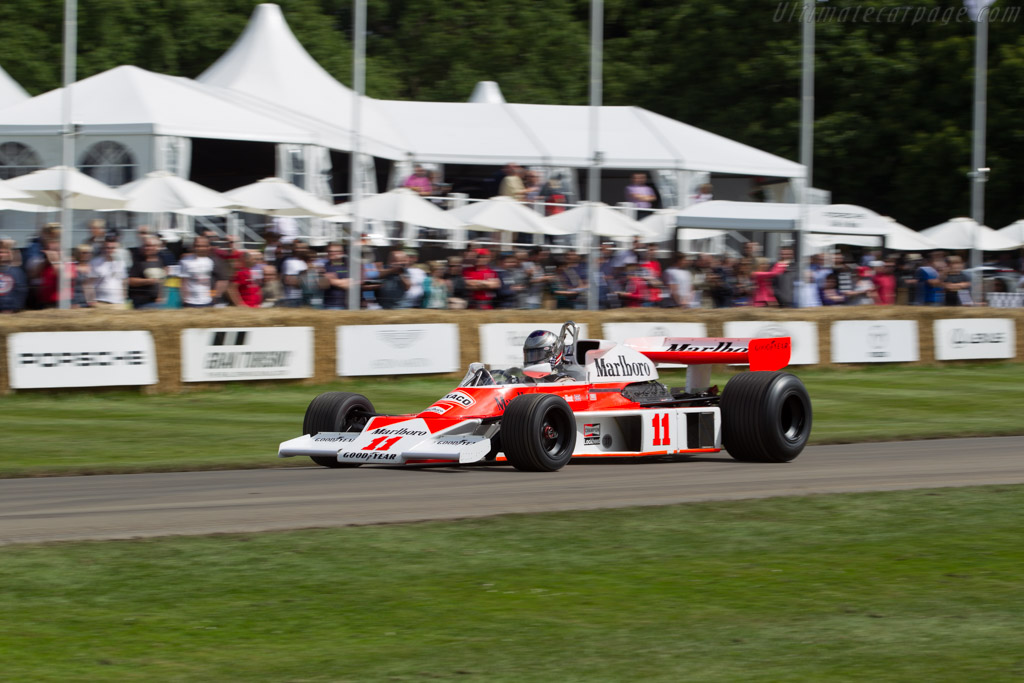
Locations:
(874, 341)
(974, 338)
(246, 353)
(397, 349)
(48, 360)
(501, 344)
(804, 336)
(620, 332)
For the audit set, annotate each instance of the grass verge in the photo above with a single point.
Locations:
(241, 425)
(919, 585)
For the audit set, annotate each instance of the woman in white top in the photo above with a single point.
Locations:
(197, 276)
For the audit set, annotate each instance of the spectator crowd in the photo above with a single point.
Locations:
(214, 270)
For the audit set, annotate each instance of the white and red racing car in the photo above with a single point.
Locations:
(605, 401)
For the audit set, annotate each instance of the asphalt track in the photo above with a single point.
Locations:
(187, 503)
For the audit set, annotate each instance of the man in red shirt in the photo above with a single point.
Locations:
(245, 290)
(227, 250)
(482, 281)
(885, 281)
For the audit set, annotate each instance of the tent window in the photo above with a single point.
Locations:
(109, 162)
(17, 159)
(297, 176)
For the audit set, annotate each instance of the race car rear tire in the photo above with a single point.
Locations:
(538, 433)
(335, 411)
(766, 417)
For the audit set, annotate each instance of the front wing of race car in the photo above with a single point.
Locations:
(397, 440)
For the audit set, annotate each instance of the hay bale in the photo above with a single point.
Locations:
(166, 327)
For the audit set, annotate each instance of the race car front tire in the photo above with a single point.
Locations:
(766, 417)
(336, 411)
(538, 433)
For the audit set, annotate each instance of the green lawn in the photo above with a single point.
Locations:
(911, 586)
(241, 425)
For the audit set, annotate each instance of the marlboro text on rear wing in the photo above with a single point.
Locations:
(762, 354)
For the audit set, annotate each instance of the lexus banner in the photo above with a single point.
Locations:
(963, 338)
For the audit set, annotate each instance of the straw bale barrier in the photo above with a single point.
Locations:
(166, 327)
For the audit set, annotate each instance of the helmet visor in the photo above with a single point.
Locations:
(540, 354)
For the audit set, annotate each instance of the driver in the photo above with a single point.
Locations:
(544, 357)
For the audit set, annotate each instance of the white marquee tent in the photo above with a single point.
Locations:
(830, 223)
(966, 233)
(557, 135)
(267, 88)
(135, 107)
(268, 62)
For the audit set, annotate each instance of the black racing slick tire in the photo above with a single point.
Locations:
(766, 417)
(336, 411)
(538, 433)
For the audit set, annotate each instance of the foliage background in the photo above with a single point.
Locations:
(893, 99)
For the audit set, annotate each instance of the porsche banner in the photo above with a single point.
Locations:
(48, 360)
(245, 353)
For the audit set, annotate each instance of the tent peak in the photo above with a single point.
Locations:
(487, 92)
(267, 51)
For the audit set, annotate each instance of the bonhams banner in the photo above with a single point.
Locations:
(620, 332)
(964, 338)
(245, 353)
(874, 341)
(397, 349)
(803, 335)
(46, 360)
(501, 344)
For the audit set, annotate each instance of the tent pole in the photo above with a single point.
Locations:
(355, 269)
(594, 177)
(67, 151)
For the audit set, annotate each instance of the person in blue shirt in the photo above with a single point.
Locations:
(929, 282)
(13, 283)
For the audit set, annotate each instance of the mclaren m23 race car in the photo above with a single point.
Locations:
(591, 399)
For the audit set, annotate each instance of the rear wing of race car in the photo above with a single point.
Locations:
(761, 354)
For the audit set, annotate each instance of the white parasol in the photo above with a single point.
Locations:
(610, 222)
(163, 192)
(503, 213)
(400, 205)
(278, 197)
(86, 193)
